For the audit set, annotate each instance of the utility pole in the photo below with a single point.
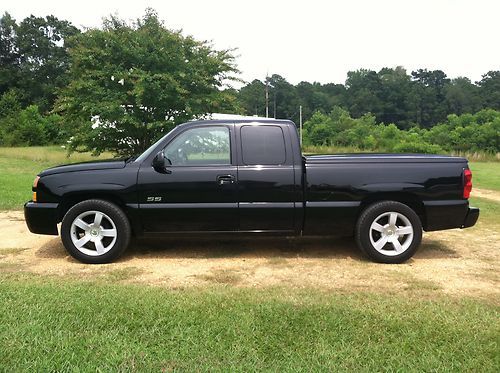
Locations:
(274, 107)
(267, 96)
(300, 124)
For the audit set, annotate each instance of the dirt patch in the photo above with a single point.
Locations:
(459, 262)
(485, 193)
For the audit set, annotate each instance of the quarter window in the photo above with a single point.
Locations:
(263, 145)
(200, 146)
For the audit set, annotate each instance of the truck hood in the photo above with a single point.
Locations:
(383, 158)
(85, 166)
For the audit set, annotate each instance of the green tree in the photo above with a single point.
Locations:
(24, 127)
(490, 89)
(462, 96)
(363, 88)
(252, 98)
(428, 96)
(34, 58)
(312, 97)
(394, 96)
(9, 54)
(131, 83)
(9, 103)
(283, 99)
(44, 59)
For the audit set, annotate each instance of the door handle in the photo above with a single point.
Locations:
(225, 179)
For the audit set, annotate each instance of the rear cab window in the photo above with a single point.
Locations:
(262, 145)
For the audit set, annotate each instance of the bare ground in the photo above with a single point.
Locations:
(456, 262)
(486, 193)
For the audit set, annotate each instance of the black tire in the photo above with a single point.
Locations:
(111, 215)
(391, 252)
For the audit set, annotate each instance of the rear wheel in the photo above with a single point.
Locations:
(389, 232)
(95, 231)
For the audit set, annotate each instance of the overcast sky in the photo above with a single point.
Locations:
(317, 40)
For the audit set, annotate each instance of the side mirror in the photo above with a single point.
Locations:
(160, 163)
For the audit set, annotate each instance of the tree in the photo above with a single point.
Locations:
(283, 99)
(394, 96)
(462, 96)
(363, 92)
(490, 89)
(24, 127)
(44, 59)
(9, 54)
(428, 96)
(132, 82)
(313, 97)
(252, 98)
(34, 58)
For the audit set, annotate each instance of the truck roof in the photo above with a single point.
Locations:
(237, 121)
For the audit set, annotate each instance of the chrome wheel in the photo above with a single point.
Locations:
(391, 233)
(93, 233)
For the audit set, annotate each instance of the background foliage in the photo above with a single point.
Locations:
(458, 133)
(119, 87)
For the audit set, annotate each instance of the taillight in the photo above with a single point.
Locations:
(467, 183)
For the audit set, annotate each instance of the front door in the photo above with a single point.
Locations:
(198, 191)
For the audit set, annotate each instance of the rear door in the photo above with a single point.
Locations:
(266, 180)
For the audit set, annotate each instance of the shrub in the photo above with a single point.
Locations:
(478, 132)
(417, 147)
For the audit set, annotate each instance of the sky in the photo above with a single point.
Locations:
(316, 40)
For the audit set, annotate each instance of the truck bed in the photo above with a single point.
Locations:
(339, 186)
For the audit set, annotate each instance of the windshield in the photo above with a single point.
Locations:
(148, 151)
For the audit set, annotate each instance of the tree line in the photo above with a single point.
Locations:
(422, 98)
(122, 85)
(465, 133)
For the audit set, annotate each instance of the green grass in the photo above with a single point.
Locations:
(486, 175)
(19, 166)
(490, 210)
(60, 326)
(49, 324)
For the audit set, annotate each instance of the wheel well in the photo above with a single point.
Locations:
(69, 201)
(410, 200)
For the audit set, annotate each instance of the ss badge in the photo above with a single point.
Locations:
(153, 199)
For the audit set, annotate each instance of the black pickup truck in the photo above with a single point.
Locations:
(249, 177)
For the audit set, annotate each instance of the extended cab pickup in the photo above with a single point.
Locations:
(249, 176)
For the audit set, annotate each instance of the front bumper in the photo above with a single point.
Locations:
(41, 218)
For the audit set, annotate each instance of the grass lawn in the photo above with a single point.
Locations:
(19, 166)
(63, 323)
(486, 175)
(490, 210)
(49, 325)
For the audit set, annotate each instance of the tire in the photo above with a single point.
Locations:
(95, 231)
(388, 232)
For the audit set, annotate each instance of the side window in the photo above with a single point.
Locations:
(200, 146)
(262, 145)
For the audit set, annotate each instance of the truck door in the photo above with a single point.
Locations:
(266, 180)
(198, 190)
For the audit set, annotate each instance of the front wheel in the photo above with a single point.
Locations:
(389, 232)
(95, 231)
